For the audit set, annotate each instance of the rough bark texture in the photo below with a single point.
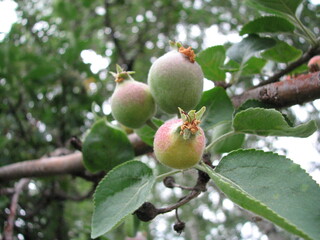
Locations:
(298, 90)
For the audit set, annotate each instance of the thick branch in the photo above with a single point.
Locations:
(297, 90)
(67, 164)
(43, 167)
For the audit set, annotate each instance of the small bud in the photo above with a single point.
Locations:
(203, 177)
(169, 182)
(179, 227)
(146, 212)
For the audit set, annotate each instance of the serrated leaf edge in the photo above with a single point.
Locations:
(241, 191)
(270, 153)
(237, 188)
(265, 17)
(270, 109)
(99, 186)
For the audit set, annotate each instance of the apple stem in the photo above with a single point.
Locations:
(152, 125)
(161, 176)
(217, 140)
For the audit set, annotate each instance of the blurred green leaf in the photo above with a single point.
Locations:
(282, 192)
(287, 7)
(146, 133)
(122, 191)
(218, 107)
(253, 66)
(210, 60)
(241, 52)
(282, 52)
(105, 147)
(227, 144)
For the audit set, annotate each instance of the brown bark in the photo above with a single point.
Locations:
(68, 164)
(297, 90)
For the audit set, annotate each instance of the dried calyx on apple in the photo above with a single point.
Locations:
(180, 143)
(176, 79)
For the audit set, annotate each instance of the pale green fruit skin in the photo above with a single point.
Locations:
(172, 150)
(175, 82)
(132, 103)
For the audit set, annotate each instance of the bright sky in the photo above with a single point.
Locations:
(300, 150)
(7, 16)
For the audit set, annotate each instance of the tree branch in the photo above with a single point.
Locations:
(9, 226)
(68, 164)
(296, 90)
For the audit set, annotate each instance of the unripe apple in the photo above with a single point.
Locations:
(314, 64)
(179, 144)
(176, 80)
(131, 103)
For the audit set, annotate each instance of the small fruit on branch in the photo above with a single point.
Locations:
(176, 80)
(180, 143)
(131, 103)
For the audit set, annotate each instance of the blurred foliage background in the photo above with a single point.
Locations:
(54, 65)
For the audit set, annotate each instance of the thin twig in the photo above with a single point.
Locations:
(108, 23)
(305, 58)
(9, 226)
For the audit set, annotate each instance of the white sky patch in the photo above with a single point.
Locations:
(250, 231)
(106, 108)
(8, 16)
(213, 37)
(315, 2)
(207, 85)
(97, 62)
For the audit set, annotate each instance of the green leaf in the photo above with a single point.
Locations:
(210, 60)
(253, 66)
(252, 103)
(269, 122)
(123, 190)
(299, 70)
(218, 107)
(241, 52)
(267, 24)
(282, 52)
(282, 7)
(227, 144)
(131, 225)
(146, 133)
(105, 147)
(231, 66)
(282, 192)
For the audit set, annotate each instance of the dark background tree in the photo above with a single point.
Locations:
(50, 94)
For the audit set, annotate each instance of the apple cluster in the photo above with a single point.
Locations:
(175, 82)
